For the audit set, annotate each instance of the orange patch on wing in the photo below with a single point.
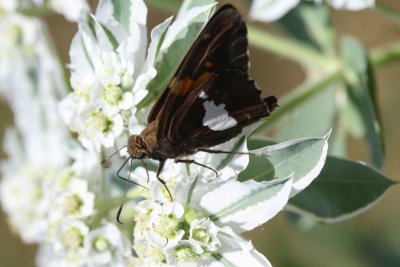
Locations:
(206, 76)
(185, 86)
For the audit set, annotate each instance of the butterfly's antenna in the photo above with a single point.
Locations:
(112, 155)
(147, 171)
(126, 191)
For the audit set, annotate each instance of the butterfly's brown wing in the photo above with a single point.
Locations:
(218, 110)
(222, 45)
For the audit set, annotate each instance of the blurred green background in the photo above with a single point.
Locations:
(370, 240)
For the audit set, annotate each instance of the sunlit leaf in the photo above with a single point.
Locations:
(302, 158)
(233, 202)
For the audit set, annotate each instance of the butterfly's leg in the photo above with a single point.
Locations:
(160, 167)
(225, 152)
(195, 162)
(127, 180)
(147, 171)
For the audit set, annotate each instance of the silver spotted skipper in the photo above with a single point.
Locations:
(209, 100)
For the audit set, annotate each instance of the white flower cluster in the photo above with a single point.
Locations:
(43, 196)
(271, 10)
(55, 192)
(202, 226)
(71, 9)
(110, 80)
(47, 182)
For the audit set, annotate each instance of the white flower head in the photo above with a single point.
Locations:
(109, 75)
(71, 237)
(20, 37)
(97, 128)
(204, 233)
(76, 201)
(7, 6)
(205, 219)
(21, 199)
(108, 246)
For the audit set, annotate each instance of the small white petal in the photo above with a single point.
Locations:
(352, 4)
(72, 9)
(270, 10)
(240, 252)
(241, 258)
(137, 30)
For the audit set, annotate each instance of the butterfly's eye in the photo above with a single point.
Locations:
(140, 155)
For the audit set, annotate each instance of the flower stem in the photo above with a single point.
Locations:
(289, 48)
(385, 55)
(35, 11)
(300, 95)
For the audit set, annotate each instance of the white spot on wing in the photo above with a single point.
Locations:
(217, 117)
(203, 95)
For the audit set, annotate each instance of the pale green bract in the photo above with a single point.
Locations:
(62, 199)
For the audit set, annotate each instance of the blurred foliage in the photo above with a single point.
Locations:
(352, 90)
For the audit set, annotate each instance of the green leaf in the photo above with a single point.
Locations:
(177, 42)
(257, 142)
(343, 189)
(310, 23)
(122, 12)
(302, 158)
(362, 116)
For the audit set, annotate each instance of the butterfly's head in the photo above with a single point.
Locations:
(136, 147)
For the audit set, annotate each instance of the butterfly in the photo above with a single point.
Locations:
(209, 100)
